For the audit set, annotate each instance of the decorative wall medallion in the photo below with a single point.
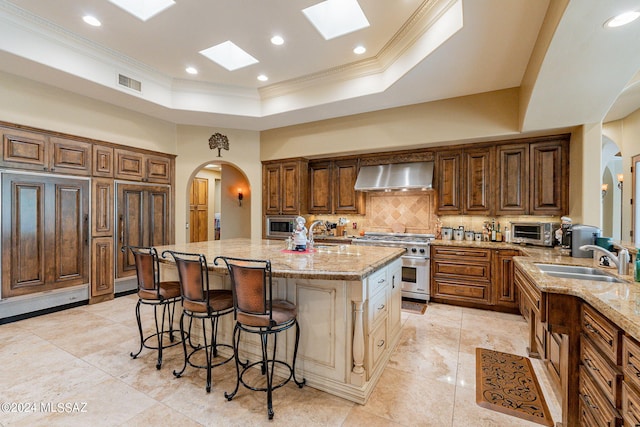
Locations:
(219, 141)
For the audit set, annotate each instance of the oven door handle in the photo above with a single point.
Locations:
(418, 258)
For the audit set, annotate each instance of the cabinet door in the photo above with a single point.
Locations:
(320, 184)
(129, 165)
(143, 220)
(448, 170)
(102, 266)
(395, 299)
(157, 170)
(271, 177)
(44, 233)
(504, 287)
(292, 188)
(478, 167)
(513, 179)
(548, 178)
(70, 157)
(102, 207)
(199, 210)
(345, 198)
(24, 150)
(102, 161)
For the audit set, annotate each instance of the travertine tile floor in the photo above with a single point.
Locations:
(81, 355)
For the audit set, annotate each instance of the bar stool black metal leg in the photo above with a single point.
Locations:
(236, 343)
(207, 353)
(139, 330)
(184, 346)
(295, 356)
(159, 331)
(270, 412)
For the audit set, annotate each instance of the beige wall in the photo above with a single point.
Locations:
(488, 115)
(29, 103)
(244, 154)
(235, 219)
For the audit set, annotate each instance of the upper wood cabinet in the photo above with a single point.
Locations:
(448, 176)
(34, 151)
(102, 161)
(533, 178)
(332, 187)
(102, 207)
(464, 181)
(136, 166)
(513, 179)
(285, 187)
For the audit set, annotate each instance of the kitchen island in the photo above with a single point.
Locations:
(348, 300)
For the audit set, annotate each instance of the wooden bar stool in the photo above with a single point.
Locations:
(153, 292)
(256, 312)
(199, 301)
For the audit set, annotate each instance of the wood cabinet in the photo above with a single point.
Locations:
(533, 177)
(45, 233)
(461, 275)
(143, 218)
(102, 161)
(630, 404)
(102, 204)
(102, 249)
(137, 166)
(464, 181)
(505, 294)
(285, 186)
(39, 152)
(533, 308)
(332, 187)
(102, 277)
(199, 210)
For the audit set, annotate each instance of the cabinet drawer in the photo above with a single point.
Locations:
(604, 375)
(377, 345)
(593, 402)
(631, 360)
(377, 281)
(463, 269)
(630, 405)
(462, 291)
(604, 334)
(377, 307)
(475, 254)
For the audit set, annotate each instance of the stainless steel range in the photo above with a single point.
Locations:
(415, 261)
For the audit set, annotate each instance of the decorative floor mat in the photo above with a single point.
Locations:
(507, 383)
(414, 307)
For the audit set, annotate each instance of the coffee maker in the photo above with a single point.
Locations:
(579, 235)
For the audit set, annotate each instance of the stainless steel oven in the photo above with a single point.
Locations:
(415, 261)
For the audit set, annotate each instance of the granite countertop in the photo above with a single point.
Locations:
(335, 262)
(620, 302)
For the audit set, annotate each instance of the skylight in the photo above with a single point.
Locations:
(229, 56)
(143, 9)
(335, 18)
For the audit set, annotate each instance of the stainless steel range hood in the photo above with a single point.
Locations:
(398, 176)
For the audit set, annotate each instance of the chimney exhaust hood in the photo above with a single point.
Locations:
(398, 176)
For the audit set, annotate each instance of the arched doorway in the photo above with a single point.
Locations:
(611, 191)
(218, 202)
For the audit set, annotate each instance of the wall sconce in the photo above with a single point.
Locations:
(605, 187)
(239, 196)
(620, 179)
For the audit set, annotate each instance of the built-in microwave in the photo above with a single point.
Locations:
(535, 233)
(279, 227)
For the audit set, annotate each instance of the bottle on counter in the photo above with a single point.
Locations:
(498, 234)
(493, 231)
(636, 272)
(507, 233)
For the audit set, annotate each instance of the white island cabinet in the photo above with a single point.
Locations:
(348, 300)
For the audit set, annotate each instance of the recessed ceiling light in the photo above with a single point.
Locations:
(263, 78)
(277, 40)
(143, 9)
(91, 20)
(228, 55)
(191, 70)
(334, 18)
(359, 50)
(622, 19)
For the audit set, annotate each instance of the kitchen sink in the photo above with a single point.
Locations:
(577, 272)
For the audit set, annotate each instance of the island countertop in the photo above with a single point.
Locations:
(330, 262)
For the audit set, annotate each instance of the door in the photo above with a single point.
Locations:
(513, 179)
(199, 210)
(478, 166)
(448, 170)
(45, 233)
(143, 220)
(320, 188)
(548, 174)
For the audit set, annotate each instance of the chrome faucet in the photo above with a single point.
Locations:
(311, 228)
(621, 261)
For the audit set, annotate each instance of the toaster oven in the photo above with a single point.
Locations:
(535, 233)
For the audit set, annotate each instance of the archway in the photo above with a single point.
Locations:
(228, 202)
(612, 196)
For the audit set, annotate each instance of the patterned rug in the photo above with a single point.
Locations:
(414, 307)
(507, 383)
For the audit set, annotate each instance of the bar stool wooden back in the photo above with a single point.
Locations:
(159, 295)
(256, 312)
(199, 301)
